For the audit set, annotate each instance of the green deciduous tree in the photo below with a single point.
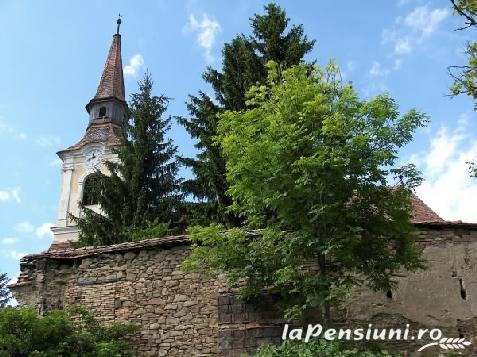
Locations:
(243, 61)
(309, 164)
(74, 332)
(465, 76)
(4, 292)
(141, 191)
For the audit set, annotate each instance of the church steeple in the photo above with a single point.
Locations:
(108, 105)
(112, 82)
(108, 112)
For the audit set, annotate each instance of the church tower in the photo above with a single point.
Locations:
(107, 114)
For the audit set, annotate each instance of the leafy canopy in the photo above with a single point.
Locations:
(243, 65)
(465, 76)
(74, 332)
(139, 195)
(308, 163)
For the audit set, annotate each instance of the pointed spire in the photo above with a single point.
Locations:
(112, 81)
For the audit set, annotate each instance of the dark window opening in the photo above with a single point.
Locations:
(389, 294)
(90, 189)
(463, 292)
(102, 112)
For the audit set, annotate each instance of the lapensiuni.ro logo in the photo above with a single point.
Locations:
(371, 333)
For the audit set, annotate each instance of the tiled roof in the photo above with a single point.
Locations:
(112, 81)
(447, 224)
(64, 252)
(423, 217)
(422, 212)
(107, 133)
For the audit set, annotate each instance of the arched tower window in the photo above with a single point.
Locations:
(102, 112)
(90, 187)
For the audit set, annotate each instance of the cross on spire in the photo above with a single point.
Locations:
(118, 22)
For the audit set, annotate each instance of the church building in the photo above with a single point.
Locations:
(185, 314)
(107, 114)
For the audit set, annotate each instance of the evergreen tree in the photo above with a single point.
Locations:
(243, 65)
(140, 196)
(4, 292)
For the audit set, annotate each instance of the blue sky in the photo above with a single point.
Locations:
(53, 52)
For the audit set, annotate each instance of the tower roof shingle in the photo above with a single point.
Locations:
(112, 81)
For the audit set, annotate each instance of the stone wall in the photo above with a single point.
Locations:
(183, 314)
(176, 311)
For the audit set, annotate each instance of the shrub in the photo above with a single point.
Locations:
(316, 348)
(73, 332)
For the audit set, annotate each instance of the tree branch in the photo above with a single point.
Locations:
(470, 20)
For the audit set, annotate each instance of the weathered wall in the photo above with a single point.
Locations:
(182, 314)
(176, 311)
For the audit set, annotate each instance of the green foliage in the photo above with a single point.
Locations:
(140, 194)
(472, 168)
(309, 164)
(74, 332)
(243, 63)
(315, 348)
(465, 76)
(150, 230)
(5, 295)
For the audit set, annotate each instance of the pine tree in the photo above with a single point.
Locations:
(5, 295)
(140, 196)
(243, 65)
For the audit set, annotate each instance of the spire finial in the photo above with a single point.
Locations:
(119, 24)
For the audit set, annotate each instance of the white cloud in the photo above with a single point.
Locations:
(136, 62)
(411, 31)
(56, 162)
(10, 195)
(24, 227)
(41, 231)
(17, 255)
(47, 140)
(377, 70)
(424, 20)
(44, 230)
(448, 187)
(402, 46)
(207, 31)
(13, 280)
(9, 240)
(12, 131)
(350, 66)
(397, 64)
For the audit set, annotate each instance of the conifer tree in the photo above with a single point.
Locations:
(4, 292)
(139, 197)
(243, 65)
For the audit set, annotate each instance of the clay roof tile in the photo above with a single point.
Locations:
(112, 81)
